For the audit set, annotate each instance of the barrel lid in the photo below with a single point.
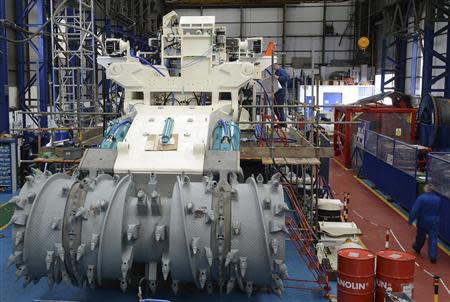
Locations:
(355, 253)
(396, 255)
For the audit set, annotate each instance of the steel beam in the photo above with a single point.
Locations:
(432, 73)
(35, 69)
(4, 99)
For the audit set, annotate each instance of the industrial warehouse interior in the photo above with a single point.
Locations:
(182, 150)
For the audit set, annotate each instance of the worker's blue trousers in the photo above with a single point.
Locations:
(280, 97)
(432, 231)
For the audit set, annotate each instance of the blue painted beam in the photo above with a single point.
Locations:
(383, 64)
(429, 74)
(43, 59)
(400, 74)
(413, 83)
(447, 65)
(20, 57)
(4, 99)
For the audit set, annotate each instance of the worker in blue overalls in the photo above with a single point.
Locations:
(426, 210)
(280, 96)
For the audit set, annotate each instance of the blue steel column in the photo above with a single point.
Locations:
(400, 68)
(41, 78)
(4, 99)
(43, 74)
(434, 73)
(428, 45)
(447, 64)
(383, 63)
(20, 59)
(413, 83)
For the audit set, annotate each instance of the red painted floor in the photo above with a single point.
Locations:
(366, 204)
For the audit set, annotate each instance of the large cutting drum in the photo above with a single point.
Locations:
(214, 234)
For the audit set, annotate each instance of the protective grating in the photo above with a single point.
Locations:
(438, 172)
(396, 153)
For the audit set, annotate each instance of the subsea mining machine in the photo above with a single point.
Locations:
(163, 202)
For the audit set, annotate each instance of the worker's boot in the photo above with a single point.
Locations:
(415, 250)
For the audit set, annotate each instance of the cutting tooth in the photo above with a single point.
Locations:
(26, 281)
(275, 226)
(234, 194)
(278, 292)
(80, 251)
(49, 258)
(29, 178)
(104, 205)
(15, 258)
(66, 278)
(243, 266)
(231, 256)
(18, 238)
(152, 285)
(94, 241)
(65, 191)
(280, 208)
(160, 233)
(132, 232)
(209, 217)
(56, 223)
(189, 208)
(267, 203)
(60, 251)
(91, 275)
(22, 270)
(202, 277)
(123, 285)
(155, 204)
(230, 285)
(175, 287)
(50, 280)
(274, 246)
(194, 244)
(275, 185)
(116, 178)
(249, 288)
(260, 179)
(165, 263)
(81, 213)
(19, 218)
(277, 280)
(209, 255)
(19, 202)
(209, 287)
(31, 196)
(282, 268)
(236, 226)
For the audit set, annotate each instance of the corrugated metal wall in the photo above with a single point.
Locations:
(304, 27)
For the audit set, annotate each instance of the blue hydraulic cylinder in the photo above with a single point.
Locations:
(167, 131)
(226, 136)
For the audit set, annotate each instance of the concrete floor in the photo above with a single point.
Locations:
(368, 210)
